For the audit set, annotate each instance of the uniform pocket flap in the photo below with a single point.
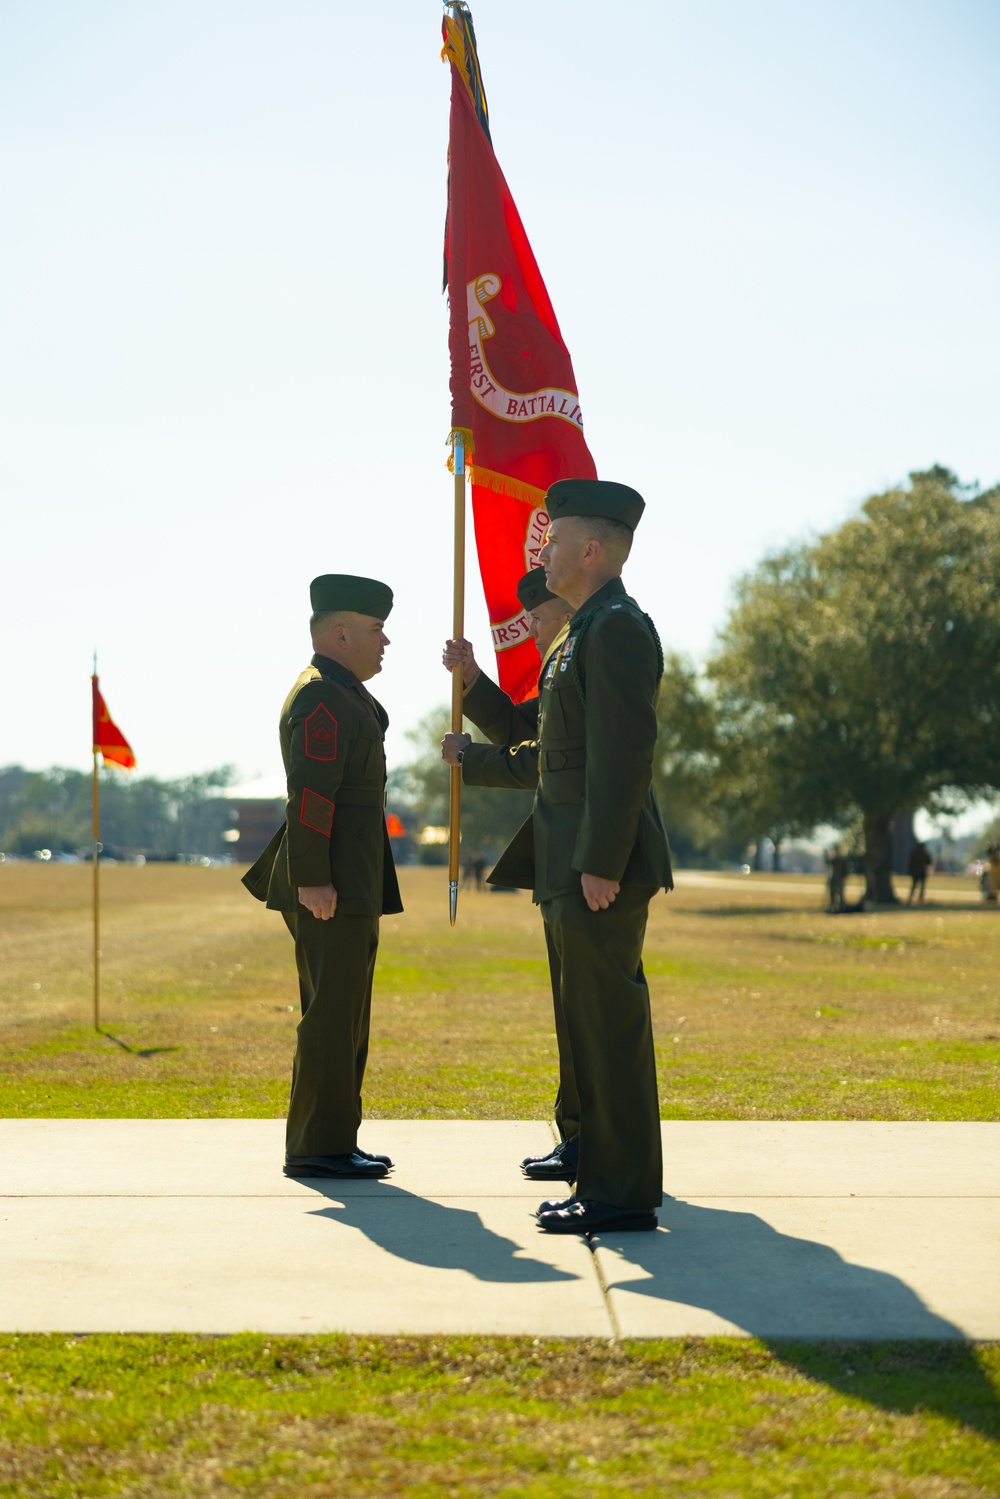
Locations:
(574, 757)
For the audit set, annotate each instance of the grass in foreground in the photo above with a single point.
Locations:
(277, 1416)
(764, 1007)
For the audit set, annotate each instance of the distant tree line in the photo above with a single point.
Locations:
(856, 679)
(51, 809)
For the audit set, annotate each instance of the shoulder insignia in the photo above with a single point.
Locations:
(316, 813)
(321, 734)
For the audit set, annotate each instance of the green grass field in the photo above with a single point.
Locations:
(281, 1418)
(764, 1008)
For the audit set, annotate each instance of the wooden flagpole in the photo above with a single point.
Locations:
(96, 800)
(457, 689)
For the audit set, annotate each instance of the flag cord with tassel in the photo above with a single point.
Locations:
(458, 445)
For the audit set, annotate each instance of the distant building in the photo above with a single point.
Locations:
(255, 822)
(257, 812)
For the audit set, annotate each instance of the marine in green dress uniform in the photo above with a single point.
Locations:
(594, 851)
(505, 724)
(329, 871)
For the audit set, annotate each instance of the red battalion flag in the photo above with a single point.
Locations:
(109, 740)
(513, 391)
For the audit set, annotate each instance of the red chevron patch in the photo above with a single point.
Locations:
(316, 813)
(321, 734)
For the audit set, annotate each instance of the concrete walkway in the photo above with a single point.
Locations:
(778, 1230)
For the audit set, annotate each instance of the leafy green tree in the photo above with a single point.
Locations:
(685, 769)
(752, 796)
(867, 664)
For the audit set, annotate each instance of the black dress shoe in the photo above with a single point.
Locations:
(572, 1145)
(594, 1218)
(354, 1164)
(386, 1161)
(560, 1165)
(553, 1204)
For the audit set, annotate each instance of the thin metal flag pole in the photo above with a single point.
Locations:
(457, 690)
(96, 799)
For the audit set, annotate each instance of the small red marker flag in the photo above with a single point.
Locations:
(513, 391)
(109, 740)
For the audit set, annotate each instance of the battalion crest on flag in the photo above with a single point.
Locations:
(513, 391)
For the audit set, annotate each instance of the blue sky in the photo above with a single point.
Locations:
(770, 234)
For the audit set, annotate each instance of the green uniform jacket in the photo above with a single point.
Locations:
(332, 732)
(504, 722)
(591, 763)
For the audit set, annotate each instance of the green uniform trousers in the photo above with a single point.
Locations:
(336, 963)
(567, 1106)
(607, 1067)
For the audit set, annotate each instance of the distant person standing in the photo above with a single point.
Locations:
(837, 865)
(920, 862)
(329, 871)
(993, 872)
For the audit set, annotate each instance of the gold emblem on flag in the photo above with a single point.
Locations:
(508, 405)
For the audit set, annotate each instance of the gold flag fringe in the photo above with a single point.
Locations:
(504, 484)
(457, 48)
(468, 443)
(454, 47)
(454, 50)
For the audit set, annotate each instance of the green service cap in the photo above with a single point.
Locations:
(595, 497)
(532, 590)
(335, 591)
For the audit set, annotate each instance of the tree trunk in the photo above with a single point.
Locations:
(776, 864)
(878, 859)
(758, 855)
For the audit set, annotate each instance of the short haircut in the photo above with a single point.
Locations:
(614, 535)
(325, 617)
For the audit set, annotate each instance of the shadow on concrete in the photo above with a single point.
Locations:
(863, 1331)
(135, 1051)
(428, 1233)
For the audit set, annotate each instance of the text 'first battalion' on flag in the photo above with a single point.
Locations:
(513, 390)
(109, 741)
